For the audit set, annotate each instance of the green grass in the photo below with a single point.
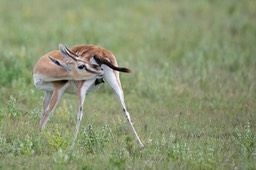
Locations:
(192, 93)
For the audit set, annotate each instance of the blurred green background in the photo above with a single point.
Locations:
(191, 94)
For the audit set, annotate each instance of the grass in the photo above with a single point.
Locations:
(191, 94)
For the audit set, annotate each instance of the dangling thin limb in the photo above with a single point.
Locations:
(59, 89)
(47, 97)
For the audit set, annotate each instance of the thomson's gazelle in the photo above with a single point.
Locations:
(74, 71)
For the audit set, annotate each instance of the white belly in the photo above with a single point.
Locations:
(49, 86)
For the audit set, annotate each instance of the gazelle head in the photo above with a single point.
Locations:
(76, 67)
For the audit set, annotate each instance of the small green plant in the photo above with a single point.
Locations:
(95, 141)
(177, 151)
(2, 114)
(27, 145)
(91, 139)
(12, 109)
(245, 141)
(61, 157)
(201, 156)
(119, 158)
(129, 145)
(20, 146)
(5, 147)
(57, 140)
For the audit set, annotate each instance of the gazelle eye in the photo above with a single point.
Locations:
(81, 67)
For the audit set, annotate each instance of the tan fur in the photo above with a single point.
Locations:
(48, 70)
(88, 51)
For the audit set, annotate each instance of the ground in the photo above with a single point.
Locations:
(191, 94)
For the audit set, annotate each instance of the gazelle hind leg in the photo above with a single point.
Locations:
(59, 89)
(114, 82)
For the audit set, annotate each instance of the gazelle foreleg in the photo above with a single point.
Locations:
(59, 89)
(114, 82)
(83, 87)
(47, 97)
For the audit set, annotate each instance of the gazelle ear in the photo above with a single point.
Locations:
(66, 53)
(60, 63)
